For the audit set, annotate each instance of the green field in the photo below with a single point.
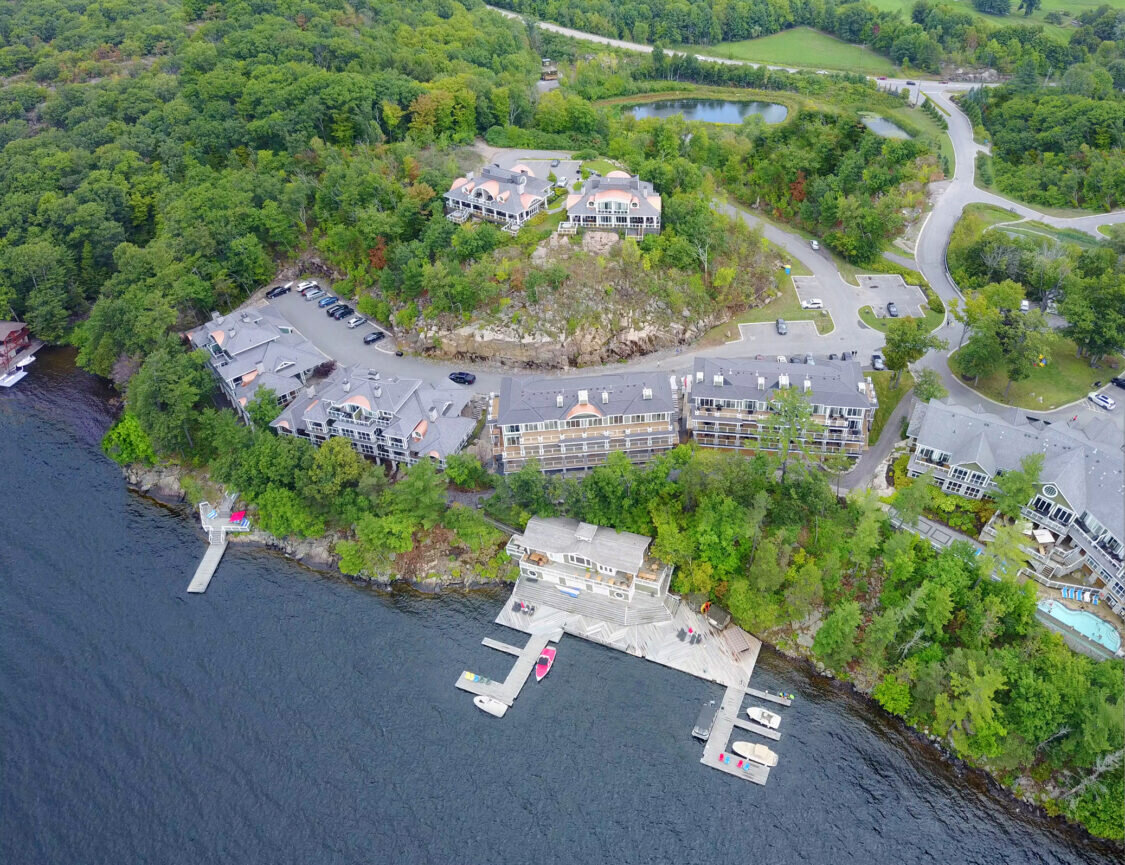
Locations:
(1066, 7)
(889, 398)
(867, 315)
(802, 46)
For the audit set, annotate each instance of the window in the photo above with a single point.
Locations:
(605, 570)
(579, 560)
(959, 474)
(953, 488)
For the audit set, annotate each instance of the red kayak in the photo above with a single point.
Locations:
(543, 666)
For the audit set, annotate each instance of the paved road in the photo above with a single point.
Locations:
(843, 299)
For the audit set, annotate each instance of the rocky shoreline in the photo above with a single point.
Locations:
(164, 485)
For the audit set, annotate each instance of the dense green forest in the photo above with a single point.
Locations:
(945, 647)
(935, 32)
(1059, 146)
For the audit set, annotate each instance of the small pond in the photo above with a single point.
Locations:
(710, 110)
(882, 127)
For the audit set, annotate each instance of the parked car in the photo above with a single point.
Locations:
(1118, 380)
(398, 352)
(832, 356)
(314, 294)
(342, 312)
(810, 360)
(326, 302)
(882, 78)
(812, 303)
(815, 244)
(1101, 400)
(462, 377)
(796, 359)
(782, 359)
(355, 321)
(892, 309)
(554, 163)
(911, 83)
(782, 327)
(373, 337)
(877, 361)
(1025, 306)
(279, 290)
(759, 357)
(306, 285)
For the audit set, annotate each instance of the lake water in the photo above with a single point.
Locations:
(882, 127)
(710, 110)
(287, 716)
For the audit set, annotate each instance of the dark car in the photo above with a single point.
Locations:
(327, 301)
(796, 359)
(892, 310)
(332, 309)
(462, 377)
(832, 356)
(279, 290)
(398, 352)
(1118, 380)
(782, 327)
(342, 312)
(373, 338)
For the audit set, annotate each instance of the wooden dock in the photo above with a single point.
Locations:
(717, 754)
(757, 729)
(766, 695)
(207, 567)
(507, 691)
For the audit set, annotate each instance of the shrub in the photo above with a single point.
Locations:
(127, 443)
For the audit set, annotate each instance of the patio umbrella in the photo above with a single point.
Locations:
(237, 515)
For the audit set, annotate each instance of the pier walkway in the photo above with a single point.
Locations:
(218, 524)
(507, 691)
(716, 753)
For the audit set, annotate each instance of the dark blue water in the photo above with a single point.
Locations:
(710, 110)
(288, 717)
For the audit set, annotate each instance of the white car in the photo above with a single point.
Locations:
(815, 244)
(812, 303)
(1102, 401)
(356, 321)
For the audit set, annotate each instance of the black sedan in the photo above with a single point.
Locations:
(892, 310)
(342, 312)
(373, 338)
(462, 377)
(279, 290)
(1118, 380)
(332, 310)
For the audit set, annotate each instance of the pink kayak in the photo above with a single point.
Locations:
(543, 666)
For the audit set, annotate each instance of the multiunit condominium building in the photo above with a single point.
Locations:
(574, 424)
(257, 348)
(509, 196)
(616, 202)
(581, 557)
(1077, 514)
(729, 404)
(396, 419)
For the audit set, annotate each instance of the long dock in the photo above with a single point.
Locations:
(757, 729)
(507, 691)
(207, 567)
(716, 753)
(766, 695)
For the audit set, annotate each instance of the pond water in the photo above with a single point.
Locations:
(710, 110)
(882, 127)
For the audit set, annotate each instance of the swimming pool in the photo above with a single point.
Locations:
(1087, 624)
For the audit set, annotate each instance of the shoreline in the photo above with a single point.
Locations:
(160, 485)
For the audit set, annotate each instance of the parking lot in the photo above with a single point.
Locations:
(876, 290)
(334, 338)
(541, 165)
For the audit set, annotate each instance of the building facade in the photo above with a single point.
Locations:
(1076, 516)
(616, 202)
(257, 348)
(395, 419)
(14, 338)
(728, 404)
(574, 424)
(581, 557)
(509, 197)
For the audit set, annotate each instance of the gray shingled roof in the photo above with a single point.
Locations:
(499, 181)
(623, 551)
(530, 400)
(637, 189)
(834, 383)
(1090, 473)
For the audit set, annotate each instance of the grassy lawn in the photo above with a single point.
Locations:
(867, 315)
(889, 398)
(805, 47)
(1067, 7)
(1064, 379)
(602, 166)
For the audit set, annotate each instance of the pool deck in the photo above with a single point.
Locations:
(666, 632)
(1074, 638)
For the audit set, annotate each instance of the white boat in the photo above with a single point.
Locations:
(754, 751)
(764, 717)
(27, 361)
(490, 705)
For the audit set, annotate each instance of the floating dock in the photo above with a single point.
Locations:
(218, 524)
(664, 631)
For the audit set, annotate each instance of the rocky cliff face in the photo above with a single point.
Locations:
(158, 482)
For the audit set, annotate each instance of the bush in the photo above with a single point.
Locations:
(984, 168)
(127, 443)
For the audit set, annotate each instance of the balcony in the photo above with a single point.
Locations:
(1102, 558)
(1044, 520)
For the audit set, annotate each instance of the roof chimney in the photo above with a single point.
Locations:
(783, 380)
(717, 379)
(699, 375)
(559, 401)
(761, 382)
(808, 384)
(583, 397)
(347, 385)
(433, 413)
(377, 390)
(605, 397)
(469, 175)
(646, 393)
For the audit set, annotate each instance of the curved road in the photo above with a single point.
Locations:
(841, 298)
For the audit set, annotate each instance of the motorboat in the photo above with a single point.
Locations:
(706, 720)
(543, 665)
(754, 751)
(764, 717)
(490, 705)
